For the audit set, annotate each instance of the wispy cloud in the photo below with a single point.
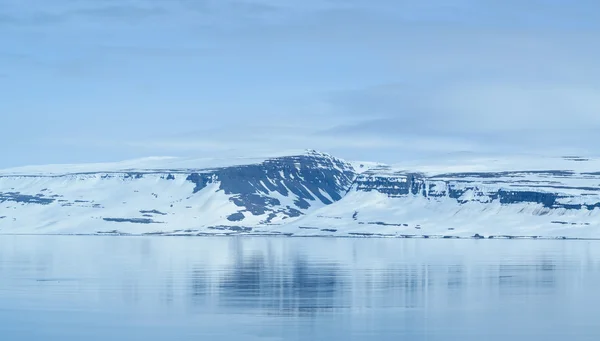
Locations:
(61, 14)
(493, 115)
(354, 77)
(7, 19)
(134, 11)
(119, 12)
(248, 6)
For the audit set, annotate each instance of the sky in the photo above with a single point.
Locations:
(381, 80)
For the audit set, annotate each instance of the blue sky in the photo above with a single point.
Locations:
(106, 80)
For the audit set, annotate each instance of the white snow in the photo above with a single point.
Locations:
(87, 194)
(501, 163)
(147, 164)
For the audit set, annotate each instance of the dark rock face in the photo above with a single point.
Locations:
(236, 217)
(231, 228)
(25, 198)
(287, 187)
(201, 180)
(537, 187)
(410, 183)
(152, 212)
(511, 197)
(132, 220)
(308, 178)
(134, 176)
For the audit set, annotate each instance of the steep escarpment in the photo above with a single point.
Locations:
(258, 194)
(394, 202)
(258, 189)
(310, 194)
(551, 189)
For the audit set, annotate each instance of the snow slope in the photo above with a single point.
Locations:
(308, 194)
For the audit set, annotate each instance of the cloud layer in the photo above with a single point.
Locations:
(102, 80)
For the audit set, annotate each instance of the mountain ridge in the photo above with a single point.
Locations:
(310, 194)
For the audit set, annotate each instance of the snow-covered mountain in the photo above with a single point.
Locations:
(307, 195)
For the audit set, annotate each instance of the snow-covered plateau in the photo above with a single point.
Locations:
(310, 194)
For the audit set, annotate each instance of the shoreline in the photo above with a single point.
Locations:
(289, 235)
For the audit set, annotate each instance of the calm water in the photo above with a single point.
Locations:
(127, 288)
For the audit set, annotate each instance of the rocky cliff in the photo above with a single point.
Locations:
(310, 194)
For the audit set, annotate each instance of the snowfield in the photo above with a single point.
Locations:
(308, 194)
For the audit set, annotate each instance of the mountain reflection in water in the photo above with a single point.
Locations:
(160, 288)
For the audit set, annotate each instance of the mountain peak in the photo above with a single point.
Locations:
(308, 193)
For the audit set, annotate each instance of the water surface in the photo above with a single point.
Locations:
(72, 288)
